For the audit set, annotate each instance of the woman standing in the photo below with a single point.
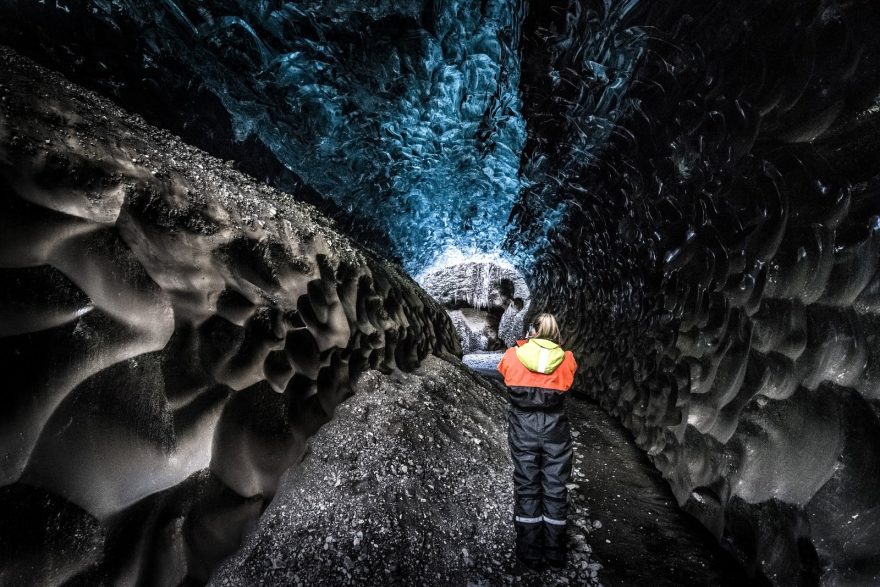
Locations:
(538, 373)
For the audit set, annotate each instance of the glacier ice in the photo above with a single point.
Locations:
(406, 115)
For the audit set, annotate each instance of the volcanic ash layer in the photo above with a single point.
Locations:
(171, 333)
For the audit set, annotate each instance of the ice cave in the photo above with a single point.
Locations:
(259, 261)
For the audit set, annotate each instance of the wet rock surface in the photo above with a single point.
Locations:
(635, 528)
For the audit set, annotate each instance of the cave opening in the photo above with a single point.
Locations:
(486, 298)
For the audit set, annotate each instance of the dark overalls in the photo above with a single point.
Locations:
(540, 444)
(541, 448)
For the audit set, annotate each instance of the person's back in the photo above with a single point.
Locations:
(538, 373)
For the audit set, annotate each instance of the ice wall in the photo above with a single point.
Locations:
(716, 261)
(171, 334)
(487, 300)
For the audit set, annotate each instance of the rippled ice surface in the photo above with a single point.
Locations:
(408, 115)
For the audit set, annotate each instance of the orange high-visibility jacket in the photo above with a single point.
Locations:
(518, 375)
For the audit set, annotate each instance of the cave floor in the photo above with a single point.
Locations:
(410, 484)
(644, 537)
(638, 533)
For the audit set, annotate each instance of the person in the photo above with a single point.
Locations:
(538, 373)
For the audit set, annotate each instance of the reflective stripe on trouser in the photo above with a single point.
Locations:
(541, 448)
(528, 519)
(556, 459)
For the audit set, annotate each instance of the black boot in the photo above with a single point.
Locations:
(528, 565)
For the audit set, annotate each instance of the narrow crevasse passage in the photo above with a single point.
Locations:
(410, 484)
(692, 187)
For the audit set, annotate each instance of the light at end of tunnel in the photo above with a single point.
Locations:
(453, 256)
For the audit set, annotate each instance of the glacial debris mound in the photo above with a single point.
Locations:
(410, 484)
(172, 332)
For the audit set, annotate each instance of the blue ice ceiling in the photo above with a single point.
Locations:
(423, 126)
(405, 113)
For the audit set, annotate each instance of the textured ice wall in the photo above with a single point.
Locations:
(715, 262)
(482, 285)
(577, 65)
(171, 333)
(404, 113)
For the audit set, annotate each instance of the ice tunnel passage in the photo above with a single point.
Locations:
(487, 299)
(694, 187)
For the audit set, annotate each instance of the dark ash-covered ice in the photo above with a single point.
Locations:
(172, 332)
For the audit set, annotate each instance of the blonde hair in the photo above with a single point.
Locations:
(545, 326)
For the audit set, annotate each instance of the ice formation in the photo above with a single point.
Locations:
(406, 114)
(172, 332)
(693, 187)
